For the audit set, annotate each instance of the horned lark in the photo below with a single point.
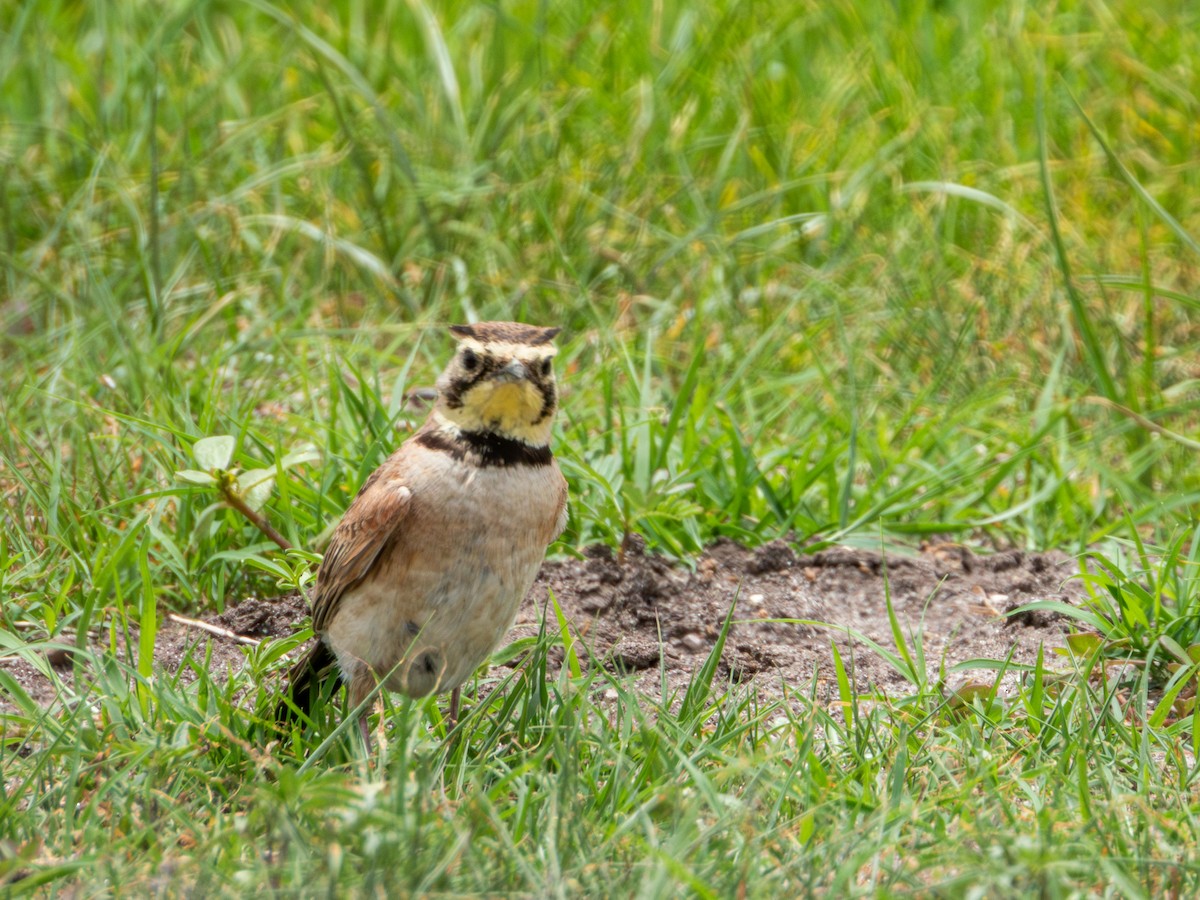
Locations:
(424, 574)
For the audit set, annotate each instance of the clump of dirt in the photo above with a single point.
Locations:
(264, 618)
(644, 615)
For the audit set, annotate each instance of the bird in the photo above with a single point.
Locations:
(423, 576)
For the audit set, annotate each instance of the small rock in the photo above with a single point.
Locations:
(693, 642)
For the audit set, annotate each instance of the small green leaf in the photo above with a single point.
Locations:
(1084, 642)
(214, 452)
(271, 566)
(203, 526)
(305, 454)
(192, 476)
(507, 654)
(1172, 646)
(969, 692)
(255, 487)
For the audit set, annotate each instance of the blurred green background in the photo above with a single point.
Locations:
(837, 270)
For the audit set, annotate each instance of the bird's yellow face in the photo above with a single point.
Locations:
(504, 406)
(502, 383)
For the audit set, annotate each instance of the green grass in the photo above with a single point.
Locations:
(852, 271)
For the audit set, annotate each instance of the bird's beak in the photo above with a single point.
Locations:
(514, 371)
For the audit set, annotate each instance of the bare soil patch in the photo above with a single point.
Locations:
(645, 615)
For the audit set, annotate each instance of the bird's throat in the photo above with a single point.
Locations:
(510, 410)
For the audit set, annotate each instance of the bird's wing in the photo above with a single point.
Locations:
(373, 520)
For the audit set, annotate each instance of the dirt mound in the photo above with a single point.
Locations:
(642, 614)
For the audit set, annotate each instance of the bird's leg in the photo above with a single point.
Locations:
(452, 716)
(365, 730)
(361, 685)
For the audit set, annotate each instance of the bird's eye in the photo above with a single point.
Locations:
(470, 360)
(545, 367)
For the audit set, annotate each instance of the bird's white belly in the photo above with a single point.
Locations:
(427, 626)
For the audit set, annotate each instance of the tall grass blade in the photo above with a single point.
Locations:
(1084, 326)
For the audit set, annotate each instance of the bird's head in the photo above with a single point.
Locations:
(501, 380)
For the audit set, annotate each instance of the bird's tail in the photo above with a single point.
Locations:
(304, 682)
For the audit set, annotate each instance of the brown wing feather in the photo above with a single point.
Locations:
(372, 520)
